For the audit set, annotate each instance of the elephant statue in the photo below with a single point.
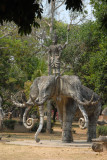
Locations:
(104, 112)
(1, 114)
(71, 98)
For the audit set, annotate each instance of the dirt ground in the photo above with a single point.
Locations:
(19, 152)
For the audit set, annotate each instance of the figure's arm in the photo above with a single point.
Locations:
(49, 62)
(64, 46)
(45, 47)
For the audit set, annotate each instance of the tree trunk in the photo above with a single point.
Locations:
(52, 17)
(49, 107)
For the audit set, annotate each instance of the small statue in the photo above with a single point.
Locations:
(54, 55)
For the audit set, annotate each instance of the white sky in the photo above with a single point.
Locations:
(63, 14)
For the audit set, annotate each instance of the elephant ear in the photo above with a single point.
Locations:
(34, 90)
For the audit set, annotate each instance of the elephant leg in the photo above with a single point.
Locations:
(92, 128)
(92, 125)
(68, 114)
(60, 114)
(49, 109)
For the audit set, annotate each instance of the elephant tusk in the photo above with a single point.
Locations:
(22, 105)
(86, 103)
(41, 111)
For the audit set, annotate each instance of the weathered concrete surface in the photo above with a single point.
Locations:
(51, 143)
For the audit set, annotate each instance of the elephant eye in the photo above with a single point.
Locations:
(47, 87)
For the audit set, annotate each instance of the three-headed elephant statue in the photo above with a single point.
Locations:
(71, 98)
(1, 114)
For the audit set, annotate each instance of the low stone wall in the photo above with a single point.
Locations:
(103, 118)
(19, 128)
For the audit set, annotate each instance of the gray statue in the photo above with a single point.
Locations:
(54, 55)
(71, 98)
(1, 114)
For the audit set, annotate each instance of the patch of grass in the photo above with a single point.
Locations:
(102, 130)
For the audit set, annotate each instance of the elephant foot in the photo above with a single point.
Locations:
(67, 137)
(37, 140)
(67, 141)
(89, 140)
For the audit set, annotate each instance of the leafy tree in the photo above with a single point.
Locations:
(18, 62)
(100, 12)
(87, 55)
(25, 13)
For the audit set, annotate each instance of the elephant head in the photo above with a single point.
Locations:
(29, 123)
(42, 89)
(47, 88)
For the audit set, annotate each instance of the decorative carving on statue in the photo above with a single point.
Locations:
(72, 95)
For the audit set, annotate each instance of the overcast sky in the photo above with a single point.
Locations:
(63, 15)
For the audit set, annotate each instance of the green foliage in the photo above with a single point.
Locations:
(87, 54)
(74, 4)
(100, 12)
(104, 106)
(17, 11)
(9, 124)
(102, 130)
(23, 13)
(4, 67)
(19, 63)
(61, 31)
(27, 85)
(40, 70)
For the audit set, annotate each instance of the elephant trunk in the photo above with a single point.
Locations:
(17, 103)
(41, 111)
(29, 123)
(82, 109)
(40, 103)
(22, 105)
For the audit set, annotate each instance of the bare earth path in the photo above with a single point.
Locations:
(21, 146)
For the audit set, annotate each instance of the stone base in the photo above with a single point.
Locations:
(100, 144)
(52, 143)
(104, 147)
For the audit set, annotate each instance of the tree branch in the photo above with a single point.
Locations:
(59, 5)
(3, 47)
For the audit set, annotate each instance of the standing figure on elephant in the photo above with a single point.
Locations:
(54, 55)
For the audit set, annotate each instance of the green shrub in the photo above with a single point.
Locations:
(102, 130)
(20, 123)
(104, 106)
(9, 123)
